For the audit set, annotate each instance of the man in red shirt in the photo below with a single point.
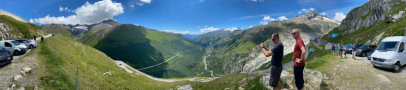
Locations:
(299, 53)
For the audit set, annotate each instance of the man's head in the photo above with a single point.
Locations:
(275, 38)
(295, 33)
(354, 44)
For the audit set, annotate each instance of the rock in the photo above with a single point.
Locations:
(22, 72)
(186, 87)
(13, 86)
(377, 9)
(21, 88)
(17, 77)
(108, 73)
(313, 78)
(27, 69)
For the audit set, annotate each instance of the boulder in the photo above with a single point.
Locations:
(312, 78)
(108, 73)
(27, 69)
(186, 87)
(17, 77)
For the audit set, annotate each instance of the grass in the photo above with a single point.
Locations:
(21, 28)
(93, 63)
(365, 16)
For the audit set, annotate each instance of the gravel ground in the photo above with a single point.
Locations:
(30, 80)
(349, 74)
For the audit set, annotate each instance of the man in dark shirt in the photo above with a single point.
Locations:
(276, 61)
(341, 51)
(333, 48)
(299, 53)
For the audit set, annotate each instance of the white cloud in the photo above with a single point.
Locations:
(339, 16)
(198, 26)
(60, 9)
(181, 32)
(146, 1)
(311, 9)
(251, 26)
(142, 2)
(233, 28)
(205, 26)
(323, 13)
(31, 21)
(256, 0)
(209, 29)
(87, 14)
(131, 5)
(305, 10)
(191, 3)
(281, 18)
(201, 0)
(266, 19)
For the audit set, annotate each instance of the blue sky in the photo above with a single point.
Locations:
(179, 16)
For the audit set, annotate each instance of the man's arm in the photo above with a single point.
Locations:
(266, 51)
(303, 53)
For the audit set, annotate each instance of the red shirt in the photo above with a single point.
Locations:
(297, 52)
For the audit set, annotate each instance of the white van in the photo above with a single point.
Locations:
(390, 53)
(13, 46)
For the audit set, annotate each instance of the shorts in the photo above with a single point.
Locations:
(341, 52)
(333, 50)
(275, 75)
(354, 52)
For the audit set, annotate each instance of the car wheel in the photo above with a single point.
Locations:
(11, 58)
(16, 52)
(364, 54)
(397, 67)
(31, 47)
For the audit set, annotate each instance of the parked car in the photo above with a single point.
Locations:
(348, 48)
(29, 43)
(5, 56)
(363, 50)
(13, 46)
(369, 55)
(390, 53)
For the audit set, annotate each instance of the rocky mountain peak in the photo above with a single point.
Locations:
(309, 15)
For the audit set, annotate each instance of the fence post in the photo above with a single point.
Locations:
(55, 52)
(247, 77)
(77, 73)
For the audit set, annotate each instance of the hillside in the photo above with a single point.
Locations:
(142, 47)
(2, 12)
(211, 38)
(93, 63)
(239, 51)
(10, 28)
(371, 22)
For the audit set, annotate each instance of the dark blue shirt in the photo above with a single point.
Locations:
(354, 48)
(277, 55)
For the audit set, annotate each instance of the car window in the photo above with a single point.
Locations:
(7, 44)
(401, 47)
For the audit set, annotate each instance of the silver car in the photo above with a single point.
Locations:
(29, 43)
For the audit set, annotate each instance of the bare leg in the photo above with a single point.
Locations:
(277, 87)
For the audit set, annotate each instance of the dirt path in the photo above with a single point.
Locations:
(124, 66)
(9, 71)
(349, 74)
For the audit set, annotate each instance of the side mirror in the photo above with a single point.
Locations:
(400, 50)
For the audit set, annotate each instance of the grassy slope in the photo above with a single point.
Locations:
(26, 29)
(367, 33)
(93, 63)
(56, 28)
(140, 47)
